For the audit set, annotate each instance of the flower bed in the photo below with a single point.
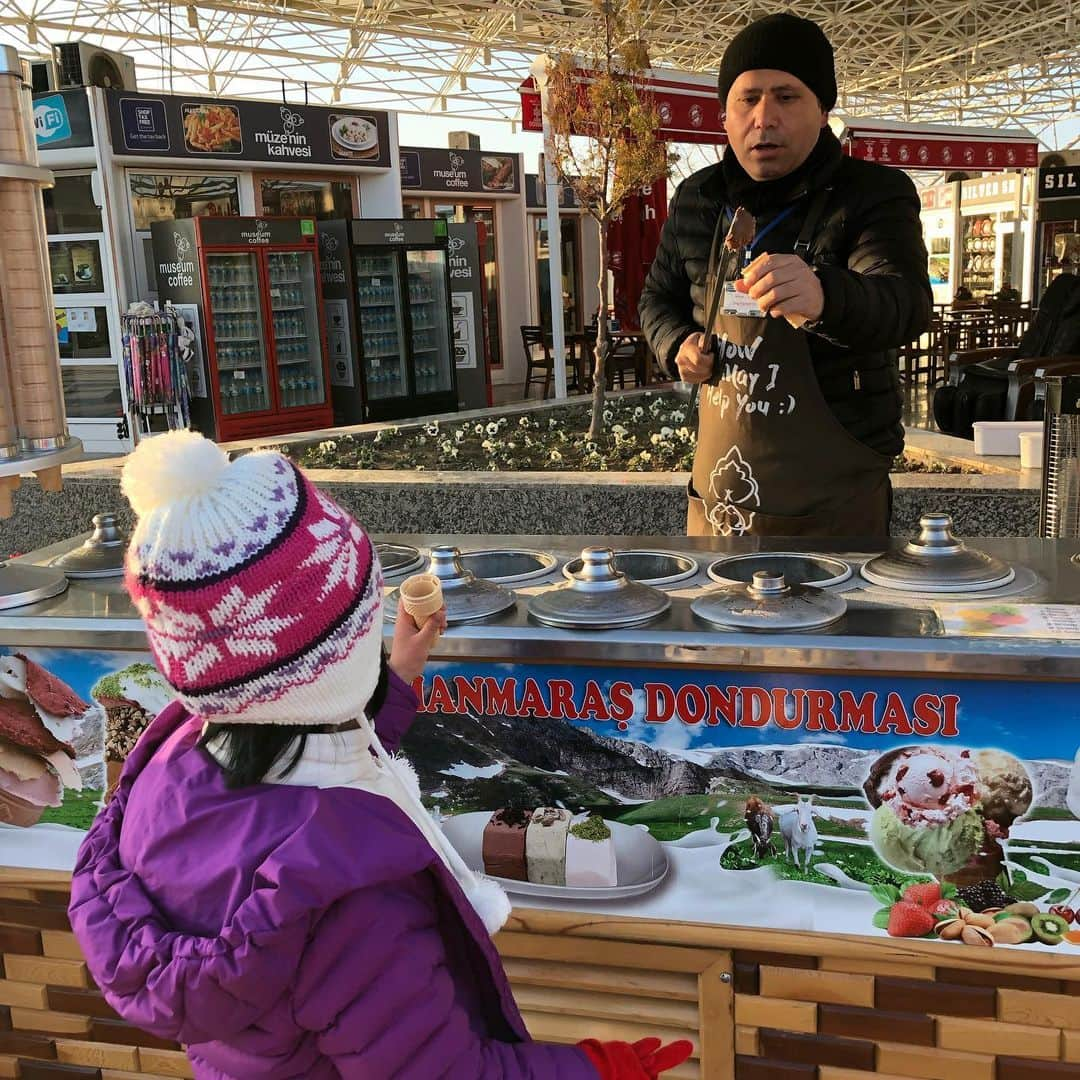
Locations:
(644, 433)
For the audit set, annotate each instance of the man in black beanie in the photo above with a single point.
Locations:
(802, 305)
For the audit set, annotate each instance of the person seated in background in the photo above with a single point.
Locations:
(962, 293)
(1008, 292)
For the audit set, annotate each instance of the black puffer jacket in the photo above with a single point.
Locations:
(870, 257)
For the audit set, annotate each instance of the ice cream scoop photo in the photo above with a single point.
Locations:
(926, 819)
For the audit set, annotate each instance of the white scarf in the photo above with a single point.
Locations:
(345, 759)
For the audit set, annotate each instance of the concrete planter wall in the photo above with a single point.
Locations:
(523, 503)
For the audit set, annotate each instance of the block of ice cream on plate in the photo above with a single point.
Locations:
(545, 845)
(590, 855)
(131, 698)
(504, 844)
(35, 766)
(927, 818)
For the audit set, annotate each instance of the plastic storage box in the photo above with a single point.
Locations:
(1031, 449)
(1002, 436)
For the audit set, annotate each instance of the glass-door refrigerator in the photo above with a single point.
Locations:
(251, 286)
(401, 294)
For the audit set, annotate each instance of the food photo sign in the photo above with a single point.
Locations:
(889, 807)
(171, 126)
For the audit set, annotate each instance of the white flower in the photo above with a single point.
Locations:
(608, 416)
(459, 434)
(453, 452)
(478, 429)
(487, 445)
(645, 456)
(656, 440)
(338, 539)
(556, 456)
(432, 429)
(523, 422)
(503, 421)
(446, 446)
(678, 416)
(493, 428)
(420, 468)
(421, 439)
(553, 423)
(328, 447)
(378, 437)
(666, 432)
(639, 412)
(394, 431)
(618, 431)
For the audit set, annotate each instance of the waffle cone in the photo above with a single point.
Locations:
(421, 596)
(16, 811)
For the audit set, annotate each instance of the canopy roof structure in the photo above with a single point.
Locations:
(992, 63)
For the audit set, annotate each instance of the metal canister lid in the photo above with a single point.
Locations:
(937, 562)
(467, 597)
(22, 583)
(598, 597)
(398, 559)
(798, 568)
(646, 567)
(101, 555)
(769, 603)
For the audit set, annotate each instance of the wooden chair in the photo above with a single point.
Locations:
(533, 339)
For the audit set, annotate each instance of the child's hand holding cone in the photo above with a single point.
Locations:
(415, 633)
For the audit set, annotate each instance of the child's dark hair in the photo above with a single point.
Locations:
(248, 752)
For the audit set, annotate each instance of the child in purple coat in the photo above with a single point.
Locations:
(265, 885)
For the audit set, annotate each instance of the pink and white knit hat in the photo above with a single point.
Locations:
(262, 597)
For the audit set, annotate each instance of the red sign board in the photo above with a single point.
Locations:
(688, 105)
(915, 151)
(632, 242)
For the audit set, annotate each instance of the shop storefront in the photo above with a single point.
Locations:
(82, 233)
(580, 258)
(485, 189)
(1059, 223)
(996, 234)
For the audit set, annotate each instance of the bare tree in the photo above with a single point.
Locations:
(604, 125)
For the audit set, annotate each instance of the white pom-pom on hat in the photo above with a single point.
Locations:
(171, 468)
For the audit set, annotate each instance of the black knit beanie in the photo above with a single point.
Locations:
(783, 42)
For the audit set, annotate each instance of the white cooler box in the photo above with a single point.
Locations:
(1002, 436)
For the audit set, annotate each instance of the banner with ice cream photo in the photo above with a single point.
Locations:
(942, 809)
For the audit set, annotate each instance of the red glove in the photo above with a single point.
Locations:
(643, 1060)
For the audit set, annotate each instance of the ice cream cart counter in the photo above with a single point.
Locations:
(842, 845)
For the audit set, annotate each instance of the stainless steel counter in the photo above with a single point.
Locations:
(883, 632)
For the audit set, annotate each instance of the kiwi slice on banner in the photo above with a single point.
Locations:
(1049, 929)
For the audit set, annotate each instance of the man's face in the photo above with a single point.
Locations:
(773, 121)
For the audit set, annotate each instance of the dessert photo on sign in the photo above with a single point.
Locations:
(828, 803)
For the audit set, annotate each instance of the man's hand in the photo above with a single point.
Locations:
(694, 364)
(784, 287)
(410, 649)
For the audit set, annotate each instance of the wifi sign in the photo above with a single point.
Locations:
(51, 122)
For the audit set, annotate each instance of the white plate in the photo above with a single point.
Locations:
(641, 862)
(369, 133)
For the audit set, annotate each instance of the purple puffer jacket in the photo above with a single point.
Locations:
(288, 932)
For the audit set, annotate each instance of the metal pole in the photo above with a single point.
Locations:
(552, 190)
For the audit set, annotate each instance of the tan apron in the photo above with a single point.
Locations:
(772, 459)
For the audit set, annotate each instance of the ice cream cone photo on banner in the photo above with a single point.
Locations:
(33, 425)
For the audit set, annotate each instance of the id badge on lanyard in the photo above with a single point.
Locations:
(739, 304)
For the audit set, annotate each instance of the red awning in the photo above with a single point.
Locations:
(916, 146)
(688, 105)
(690, 113)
